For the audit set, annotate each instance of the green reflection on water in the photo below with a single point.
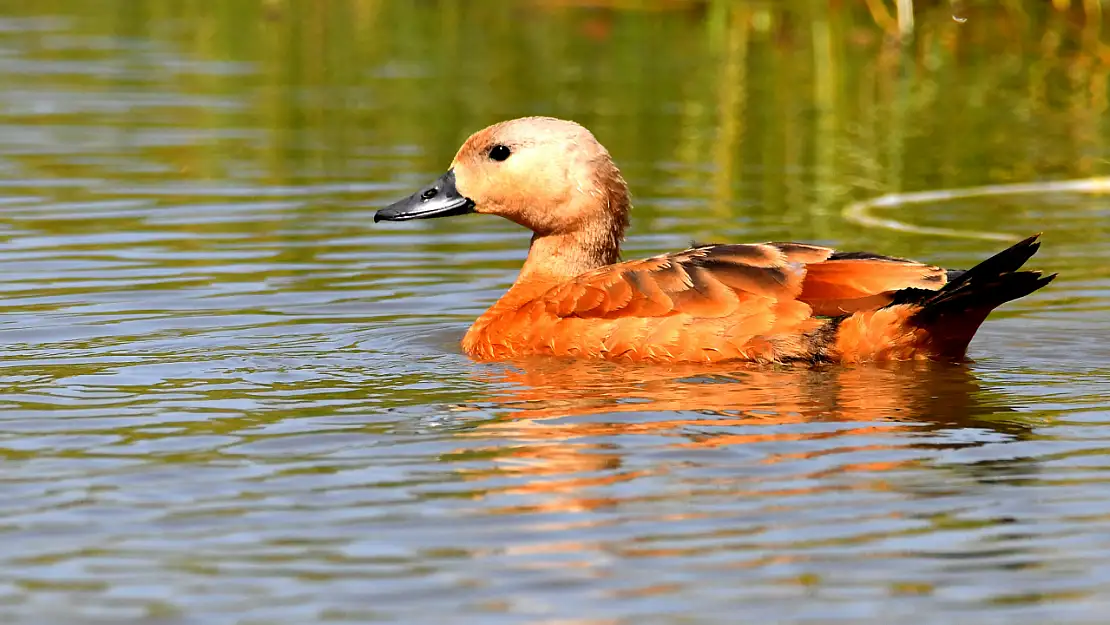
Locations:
(770, 116)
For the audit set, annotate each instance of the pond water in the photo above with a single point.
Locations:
(229, 397)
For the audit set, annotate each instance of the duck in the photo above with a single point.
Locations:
(771, 302)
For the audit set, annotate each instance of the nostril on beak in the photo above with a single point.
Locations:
(429, 193)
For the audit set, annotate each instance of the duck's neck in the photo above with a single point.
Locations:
(596, 242)
(560, 257)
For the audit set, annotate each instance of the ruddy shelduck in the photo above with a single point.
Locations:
(766, 302)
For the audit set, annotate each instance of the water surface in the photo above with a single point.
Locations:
(229, 397)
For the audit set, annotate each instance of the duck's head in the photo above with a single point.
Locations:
(549, 175)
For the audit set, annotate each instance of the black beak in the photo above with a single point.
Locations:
(441, 199)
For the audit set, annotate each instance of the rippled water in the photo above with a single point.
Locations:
(228, 397)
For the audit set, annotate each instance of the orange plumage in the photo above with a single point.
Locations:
(770, 302)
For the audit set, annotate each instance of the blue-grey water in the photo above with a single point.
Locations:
(229, 397)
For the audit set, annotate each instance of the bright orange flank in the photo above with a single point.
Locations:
(771, 302)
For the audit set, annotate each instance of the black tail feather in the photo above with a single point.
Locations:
(954, 313)
(985, 286)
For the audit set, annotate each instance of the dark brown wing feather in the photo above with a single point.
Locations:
(712, 281)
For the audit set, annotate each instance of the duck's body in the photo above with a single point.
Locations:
(772, 302)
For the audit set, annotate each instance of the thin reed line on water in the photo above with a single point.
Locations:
(905, 19)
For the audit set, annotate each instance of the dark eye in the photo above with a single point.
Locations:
(499, 152)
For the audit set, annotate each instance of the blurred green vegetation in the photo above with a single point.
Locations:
(785, 110)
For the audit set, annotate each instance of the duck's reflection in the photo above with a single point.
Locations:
(574, 425)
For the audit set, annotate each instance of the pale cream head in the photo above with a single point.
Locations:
(546, 174)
